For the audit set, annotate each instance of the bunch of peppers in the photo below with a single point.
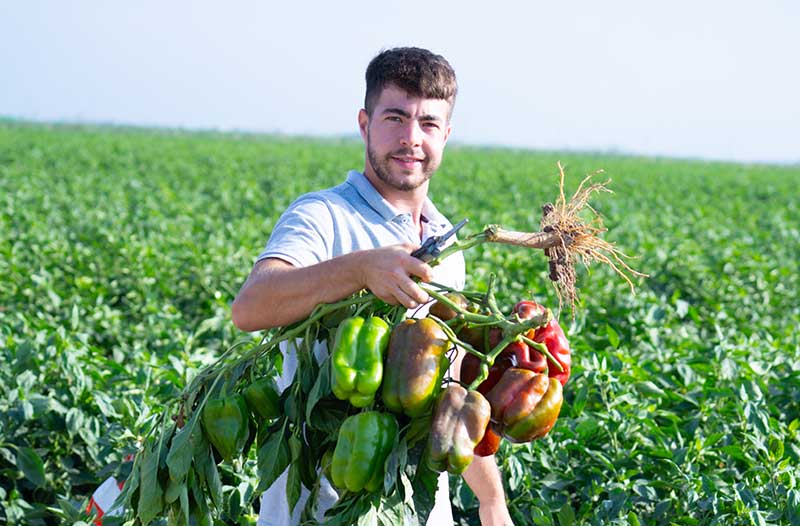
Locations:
(520, 374)
(517, 366)
(510, 387)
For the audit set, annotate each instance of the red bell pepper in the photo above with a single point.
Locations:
(525, 404)
(552, 336)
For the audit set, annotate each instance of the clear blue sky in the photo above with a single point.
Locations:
(710, 79)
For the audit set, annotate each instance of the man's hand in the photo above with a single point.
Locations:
(387, 272)
(276, 293)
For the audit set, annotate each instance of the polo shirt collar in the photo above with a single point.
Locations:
(362, 185)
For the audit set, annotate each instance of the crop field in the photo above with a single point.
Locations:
(121, 251)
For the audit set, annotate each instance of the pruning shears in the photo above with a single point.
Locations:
(432, 246)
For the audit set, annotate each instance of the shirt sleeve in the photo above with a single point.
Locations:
(302, 234)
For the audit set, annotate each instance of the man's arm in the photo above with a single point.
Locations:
(277, 293)
(483, 478)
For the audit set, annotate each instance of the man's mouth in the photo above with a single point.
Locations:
(407, 161)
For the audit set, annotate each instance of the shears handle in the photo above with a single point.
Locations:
(428, 250)
(432, 246)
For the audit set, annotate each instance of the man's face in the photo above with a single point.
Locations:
(405, 138)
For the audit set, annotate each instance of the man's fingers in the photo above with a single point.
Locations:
(413, 291)
(406, 300)
(420, 269)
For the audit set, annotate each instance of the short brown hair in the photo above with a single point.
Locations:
(416, 71)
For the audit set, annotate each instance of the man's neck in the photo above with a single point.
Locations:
(407, 201)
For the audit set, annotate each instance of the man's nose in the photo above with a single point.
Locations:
(412, 134)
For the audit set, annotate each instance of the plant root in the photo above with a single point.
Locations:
(566, 237)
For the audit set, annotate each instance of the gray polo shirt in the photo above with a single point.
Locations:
(354, 216)
(322, 225)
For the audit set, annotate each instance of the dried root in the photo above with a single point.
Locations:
(565, 236)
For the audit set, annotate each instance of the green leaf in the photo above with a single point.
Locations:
(293, 486)
(185, 511)
(321, 389)
(395, 464)
(579, 402)
(179, 458)
(566, 515)
(794, 425)
(651, 388)
(31, 465)
(296, 449)
(613, 337)
(206, 468)
(516, 472)
(199, 513)
(328, 416)
(174, 488)
(312, 505)
(75, 420)
(424, 481)
(418, 430)
(151, 496)
(393, 511)
(349, 509)
(105, 404)
(370, 518)
(273, 457)
(129, 496)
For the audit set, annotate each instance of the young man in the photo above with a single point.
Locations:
(360, 234)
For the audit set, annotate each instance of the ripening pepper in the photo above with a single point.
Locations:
(459, 422)
(552, 336)
(263, 398)
(516, 354)
(415, 365)
(446, 313)
(357, 359)
(226, 425)
(490, 442)
(526, 404)
(365, 441)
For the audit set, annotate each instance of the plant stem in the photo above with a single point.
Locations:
(466, 243)
(471, 317)
(513, 332)
(542, 348)
(213, 372)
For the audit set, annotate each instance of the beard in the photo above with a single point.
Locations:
(383, 169)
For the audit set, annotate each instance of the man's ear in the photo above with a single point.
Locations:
(363, 123)
(447, 132)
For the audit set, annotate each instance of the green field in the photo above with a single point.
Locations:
(121, 251)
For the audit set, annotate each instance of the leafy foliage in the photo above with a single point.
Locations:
(120, 251)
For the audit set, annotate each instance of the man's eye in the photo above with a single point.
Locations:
(393, 118)
(431, 125)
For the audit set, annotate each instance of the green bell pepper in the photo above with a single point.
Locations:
(365, 441)
(357, 359)
(263, 398)
(226, 425)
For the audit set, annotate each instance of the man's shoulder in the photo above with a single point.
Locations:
(335, 195)
(340, 197)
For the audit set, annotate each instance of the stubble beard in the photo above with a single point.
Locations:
(382, 169)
